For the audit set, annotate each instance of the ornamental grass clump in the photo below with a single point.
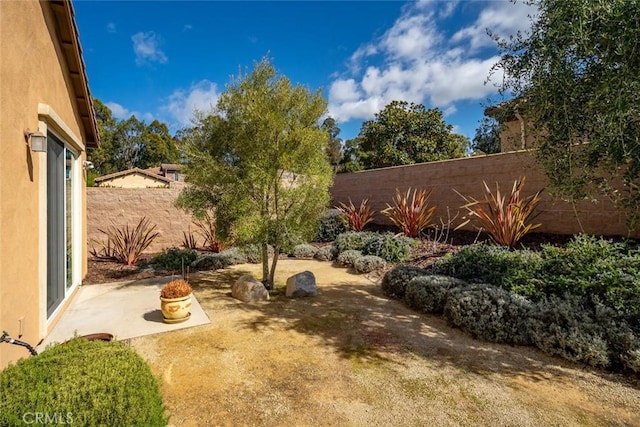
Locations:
(126, 244)
(356, 218)
(176, 289)
(411, 213)
(506, 220)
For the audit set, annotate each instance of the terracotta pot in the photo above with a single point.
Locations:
(176, 310)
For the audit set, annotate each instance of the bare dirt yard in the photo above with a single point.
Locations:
(352, 357)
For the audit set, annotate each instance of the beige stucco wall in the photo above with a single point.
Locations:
(122, 206)
(466, 176)
(136, 180)
(30, 73)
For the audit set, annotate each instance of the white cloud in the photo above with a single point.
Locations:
(187, 27)
(118, 111)
(147, 48)
(502, 18)
(111, 27)
(182, 104)
(415, 61)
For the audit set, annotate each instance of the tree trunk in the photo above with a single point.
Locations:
(265, 267)
(274, 262)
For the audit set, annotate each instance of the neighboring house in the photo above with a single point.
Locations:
(133, 178)
(43, 86)
(172, 171)
(514, 128)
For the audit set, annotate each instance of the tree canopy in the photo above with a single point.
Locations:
(487, 137)
(576, 77)
(401, 134)
(260, 163)
(129, 143)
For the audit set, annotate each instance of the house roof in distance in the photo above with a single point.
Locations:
(132, 171)
(169, 167)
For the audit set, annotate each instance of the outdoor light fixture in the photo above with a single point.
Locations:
(38, 141)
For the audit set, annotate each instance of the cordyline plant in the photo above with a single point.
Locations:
(127, 244)
(506, 220)
(206, 227)
(410, 212)
(356, 218)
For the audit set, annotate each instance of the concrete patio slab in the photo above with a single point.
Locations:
(124, 309)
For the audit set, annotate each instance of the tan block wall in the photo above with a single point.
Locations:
(466, 176)
(32, 71)
(121, 206)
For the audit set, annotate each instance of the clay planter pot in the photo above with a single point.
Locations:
(175, 310)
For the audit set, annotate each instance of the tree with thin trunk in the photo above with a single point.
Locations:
(259, 161)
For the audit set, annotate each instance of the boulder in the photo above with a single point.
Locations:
(301, 285)
(248, 289)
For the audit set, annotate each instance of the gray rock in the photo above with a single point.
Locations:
(248, 289)
(301, 285)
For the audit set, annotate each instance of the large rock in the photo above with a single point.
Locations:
(248, 289)
(302, 285)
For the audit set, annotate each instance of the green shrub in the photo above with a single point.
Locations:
(567, 326)
(211, 262)
(368, 263)
(325, 253)
(396, 280)
(331, 225)
(235, 256)
(84, 383)
(352, 240)
(253, 253)
(491, 313)
(304, 251)
(174, 259)
(429, 293)
(348, 258)
(495, 265)
(388, 246)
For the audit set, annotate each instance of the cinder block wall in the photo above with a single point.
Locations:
(466, 175)
(121, 206)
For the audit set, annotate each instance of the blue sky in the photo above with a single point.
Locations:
(163, 59)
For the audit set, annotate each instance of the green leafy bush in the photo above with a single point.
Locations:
(567, 326)
(352, 240)
(368, 263)
(388, 246)
(331, 225)
(211, 262)
(429, 293)
(304, 251)
(325, 253)
(253, 253)
(348, 258)
(88, 383)
(396, 280)
(174, 259)
(491, 313)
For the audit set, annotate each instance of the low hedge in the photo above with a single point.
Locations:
(82, 383)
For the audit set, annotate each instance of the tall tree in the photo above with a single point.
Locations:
(334, 149)
(260, 163)
(576, 76)
(487, 137)
(102, 157)
(405, 133)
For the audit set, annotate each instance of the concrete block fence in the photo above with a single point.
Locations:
(120, 206)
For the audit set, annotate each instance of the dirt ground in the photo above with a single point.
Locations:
(352, 357)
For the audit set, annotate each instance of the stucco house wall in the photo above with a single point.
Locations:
(38, 93)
